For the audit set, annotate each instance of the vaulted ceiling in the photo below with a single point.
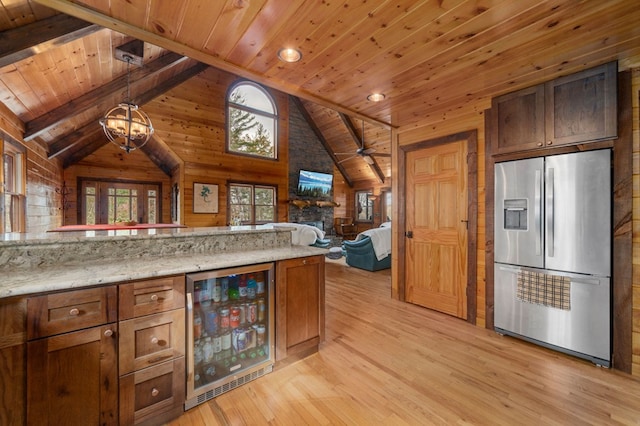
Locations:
(58, 73)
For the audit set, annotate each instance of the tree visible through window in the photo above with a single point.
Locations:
(252, 121)
(251, 204)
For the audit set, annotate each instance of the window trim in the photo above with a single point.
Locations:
(369, 205)
(274, 116)
(253, 186)
(19, 155)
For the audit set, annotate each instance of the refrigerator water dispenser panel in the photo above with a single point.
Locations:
(515, 214)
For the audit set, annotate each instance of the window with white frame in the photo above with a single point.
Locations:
(13, 188)
(251, 204)
(252, 121)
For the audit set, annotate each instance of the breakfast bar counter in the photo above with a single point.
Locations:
(59, 261)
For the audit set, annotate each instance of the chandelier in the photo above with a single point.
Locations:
(126, 125)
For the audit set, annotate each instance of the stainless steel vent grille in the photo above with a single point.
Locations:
(212, 393)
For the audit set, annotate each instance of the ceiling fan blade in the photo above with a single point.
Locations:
(382, 154)
(347, 159)
(368, 159)
(369, 151)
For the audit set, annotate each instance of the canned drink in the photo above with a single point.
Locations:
(224, 318)
(262, 309)
(252, 312)
(234, 316)
(226, 340)
(211, 322)
(243, 313)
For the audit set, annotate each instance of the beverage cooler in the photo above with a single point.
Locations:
(230, 329)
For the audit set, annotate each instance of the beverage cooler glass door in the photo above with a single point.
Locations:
(230, 329)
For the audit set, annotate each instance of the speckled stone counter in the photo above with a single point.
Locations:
(58, 261)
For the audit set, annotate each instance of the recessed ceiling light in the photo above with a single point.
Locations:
(289, 55)
(376, 97)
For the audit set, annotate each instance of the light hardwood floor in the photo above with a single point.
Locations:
(389, 363)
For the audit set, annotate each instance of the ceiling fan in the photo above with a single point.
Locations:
(362, 151)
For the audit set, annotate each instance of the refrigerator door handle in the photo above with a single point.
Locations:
(190, 362)
(537, 200)
(549, 212)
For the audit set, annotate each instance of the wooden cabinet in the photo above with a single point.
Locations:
(578, 108)
(152, 347)
(13, 349)
(71, 358)
(300, 306)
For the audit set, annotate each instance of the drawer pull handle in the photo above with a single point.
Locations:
(74, 312)
(154, 297)
(154, 340)
(108, 333)
(154, 392)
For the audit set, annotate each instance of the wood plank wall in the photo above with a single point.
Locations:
(635, 84)
(44, 187)
(111, 162)
(467, 118)
(191, 120)
(345, 196)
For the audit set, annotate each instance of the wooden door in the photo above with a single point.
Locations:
(436, 224)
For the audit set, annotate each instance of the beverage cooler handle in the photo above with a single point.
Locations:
(549, 212)
(537, 212)
(190, 345)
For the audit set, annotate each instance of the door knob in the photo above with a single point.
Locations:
(408, 234)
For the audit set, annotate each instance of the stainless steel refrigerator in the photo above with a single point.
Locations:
(553, 252)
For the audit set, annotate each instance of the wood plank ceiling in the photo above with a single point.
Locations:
(430, 59)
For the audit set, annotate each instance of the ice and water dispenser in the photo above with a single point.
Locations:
(515, 214)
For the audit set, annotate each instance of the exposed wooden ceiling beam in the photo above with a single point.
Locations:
(95, 97)
(25, 41)
(322, 139)
(357, 139)
(84, 150)
(170, 83)
(80, 137)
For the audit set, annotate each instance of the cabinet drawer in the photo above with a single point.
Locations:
(69, 311)
(151, 296)
(151, 340)
(152, 392)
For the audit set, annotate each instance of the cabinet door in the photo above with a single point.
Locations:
(72, 378)
(518, 120)
(151, 296)
(151, 340)
(582, 107)
(300, 305)
(153, 393)
(13, 370)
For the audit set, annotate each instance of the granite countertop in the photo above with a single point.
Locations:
(36, 264)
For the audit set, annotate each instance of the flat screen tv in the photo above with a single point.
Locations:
(314, 184)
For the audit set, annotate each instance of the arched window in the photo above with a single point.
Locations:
(252, 121)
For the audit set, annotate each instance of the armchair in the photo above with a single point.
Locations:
(345, 227)
(360, 254)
